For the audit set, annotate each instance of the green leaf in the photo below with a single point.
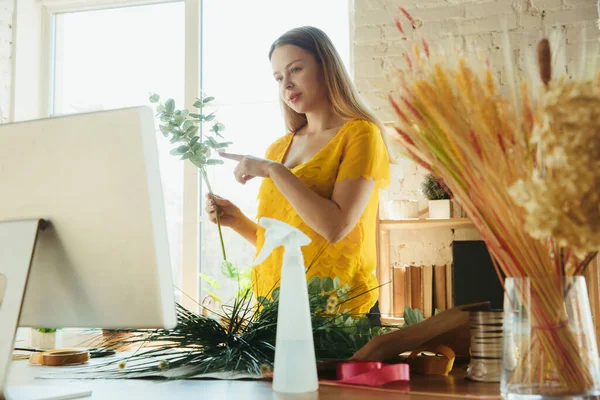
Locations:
(214, 162)
(186, 125)
(327, 284)
(218, 127)
(221, 145)
(165, 130)
(228, 270)
(214, 295)
(263, 300)
(336, 282)
(412, 316)
(154, 98)
(210, 117)
(186, 155)
(197, 162)
(170, 106)
(210, 141)
(160, 108)
(275, 294)
(194, 140)
(179, 150)
(208, 99)
(191, 131)
(314, 285)
(198, 104)
(210, 280)
(194, 115)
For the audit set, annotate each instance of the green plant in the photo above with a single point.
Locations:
(434, 189)
(195, 145)
(46, 330)
(242, 337)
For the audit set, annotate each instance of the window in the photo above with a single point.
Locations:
(96, 68)
(107, 56)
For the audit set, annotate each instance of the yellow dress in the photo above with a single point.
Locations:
(356, 151)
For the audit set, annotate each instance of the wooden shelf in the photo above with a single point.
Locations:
(395, 321)
(451, 223)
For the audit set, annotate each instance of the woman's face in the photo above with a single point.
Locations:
(300, 78)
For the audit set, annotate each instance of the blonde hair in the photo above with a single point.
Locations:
(341, 92)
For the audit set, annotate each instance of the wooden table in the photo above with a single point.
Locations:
(421, 387)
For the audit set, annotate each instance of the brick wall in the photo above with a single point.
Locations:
(378, 45)
(6, 20)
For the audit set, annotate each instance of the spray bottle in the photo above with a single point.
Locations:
(295, 368)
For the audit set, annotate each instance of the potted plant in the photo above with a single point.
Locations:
(439, 197)
(46, 338)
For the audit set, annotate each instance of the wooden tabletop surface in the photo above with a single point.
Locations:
(420, 388)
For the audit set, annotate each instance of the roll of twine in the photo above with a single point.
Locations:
(60, 357)
(486, 345)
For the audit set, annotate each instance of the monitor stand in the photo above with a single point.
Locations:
(17, 244)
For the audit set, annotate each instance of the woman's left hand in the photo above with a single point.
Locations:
(249, 167)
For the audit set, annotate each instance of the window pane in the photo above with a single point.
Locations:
(115, 58)
(236, 70)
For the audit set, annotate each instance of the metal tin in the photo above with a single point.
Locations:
(486, 346)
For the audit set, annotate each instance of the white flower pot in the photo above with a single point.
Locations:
(46, 341)
(440, 209)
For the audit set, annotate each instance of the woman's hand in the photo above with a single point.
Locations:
(249, 167)
(229, 214)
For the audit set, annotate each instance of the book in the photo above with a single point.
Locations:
(416, 298)
(399, 290)
(439, 287)
(407, 287)
(449, 287)
(427, 290)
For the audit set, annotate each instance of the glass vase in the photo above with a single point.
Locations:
(549, 348)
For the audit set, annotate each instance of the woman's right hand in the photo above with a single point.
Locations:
(229, 214)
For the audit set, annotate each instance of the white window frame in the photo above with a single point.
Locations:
(192, 85)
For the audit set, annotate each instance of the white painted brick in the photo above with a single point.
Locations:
(429, 3)
(391, 32)
(528, 21)
(578, 3)
(366, 51)
(488, 24)
(437, 29)
(368, 33)
(482, 41)
(439, 13)
(582, 32)
(393, 5)
(368, 68)
(374, 17)
(548, 4)
(486, 9)
(372, 84)
(565, 17)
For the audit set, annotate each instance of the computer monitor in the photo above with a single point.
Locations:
(103, 260)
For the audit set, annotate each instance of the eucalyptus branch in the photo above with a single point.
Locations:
(184, 129)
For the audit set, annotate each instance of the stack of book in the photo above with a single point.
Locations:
(424, 287)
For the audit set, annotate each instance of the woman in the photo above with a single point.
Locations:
(322, 177)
